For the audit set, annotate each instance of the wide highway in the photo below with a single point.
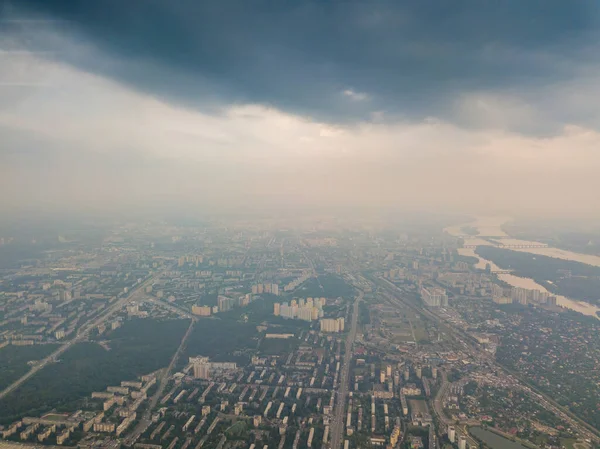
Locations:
(337, 425)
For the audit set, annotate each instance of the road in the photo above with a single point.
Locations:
(145, 421)
(81, 335)
(171, 307)
(337, 425)
(439, 400)
(313, 270)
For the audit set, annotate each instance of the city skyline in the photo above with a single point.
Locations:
(151, 335)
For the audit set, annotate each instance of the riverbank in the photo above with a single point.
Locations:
(491, 227)
(572, 279)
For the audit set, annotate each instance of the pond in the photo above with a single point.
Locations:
(494, 440)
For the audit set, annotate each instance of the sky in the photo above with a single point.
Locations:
(469, 106)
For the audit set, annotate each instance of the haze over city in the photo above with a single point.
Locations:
(299, 224)
(464, 107)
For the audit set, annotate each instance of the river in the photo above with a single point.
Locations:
(494, 440)
(491, 227)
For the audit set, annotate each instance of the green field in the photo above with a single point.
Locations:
(274, 346)
(421, 333)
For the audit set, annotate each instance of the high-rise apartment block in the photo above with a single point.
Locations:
(332, 325)
(434, 297)
(257, 289)
(201, 310)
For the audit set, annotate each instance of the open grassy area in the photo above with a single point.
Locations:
(573, 443)
(421, 333)
(273, 346)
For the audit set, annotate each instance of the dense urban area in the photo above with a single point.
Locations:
(257, 335)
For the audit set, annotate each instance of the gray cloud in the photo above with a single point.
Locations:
(206, 106)
(410, 59)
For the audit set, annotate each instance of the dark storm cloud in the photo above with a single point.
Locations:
(411, 59)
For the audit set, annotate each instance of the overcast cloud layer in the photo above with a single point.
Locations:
(468, 106)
